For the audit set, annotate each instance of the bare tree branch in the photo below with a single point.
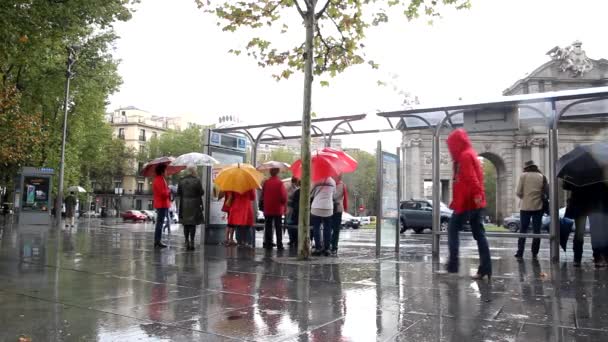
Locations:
(300, 9)
(318, 15)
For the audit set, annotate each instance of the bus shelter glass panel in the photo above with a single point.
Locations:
(390, 209)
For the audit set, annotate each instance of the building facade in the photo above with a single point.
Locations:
(136, 127)
(568, 68)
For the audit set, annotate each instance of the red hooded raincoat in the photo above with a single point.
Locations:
(468, 188)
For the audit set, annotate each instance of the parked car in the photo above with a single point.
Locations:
(349, 221)
(134, 215)
(417, 214)
(364, 220)
(150, 214)
(91, 214)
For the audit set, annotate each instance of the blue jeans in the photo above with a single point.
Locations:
(537, 222)
(316, 222)
(161, 214)
(479, 234)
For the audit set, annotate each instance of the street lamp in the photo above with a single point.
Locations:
(72, 51)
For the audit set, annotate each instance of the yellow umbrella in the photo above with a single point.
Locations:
(239, 178)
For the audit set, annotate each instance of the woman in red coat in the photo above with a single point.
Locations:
(162, 202)
(468, 201)
(240, 216)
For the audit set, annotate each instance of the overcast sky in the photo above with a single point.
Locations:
(174, 61)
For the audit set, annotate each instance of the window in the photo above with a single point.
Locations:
(150, 205)
(140, 187)
(138, 204)
(526, 89)
(142, 149)
(140, 166)
(142, 135)
(123, 113)
(121, 133)
(541, 86)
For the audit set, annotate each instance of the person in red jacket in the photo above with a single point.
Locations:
(274, 197)
(468, 201)
(162, 202)
(240, 216)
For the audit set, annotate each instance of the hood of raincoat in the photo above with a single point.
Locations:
(458, 141)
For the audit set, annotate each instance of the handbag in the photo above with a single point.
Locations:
(545, 196)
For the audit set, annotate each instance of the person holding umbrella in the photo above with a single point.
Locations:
(584, 173)
(340, 205)
(161, 202)
(70, 209)
(190, 206)
(322, 210)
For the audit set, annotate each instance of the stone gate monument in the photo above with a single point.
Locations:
(569, 68)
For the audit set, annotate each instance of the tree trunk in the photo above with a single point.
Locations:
(304, 219)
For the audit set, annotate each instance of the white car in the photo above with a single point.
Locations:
(365, 220)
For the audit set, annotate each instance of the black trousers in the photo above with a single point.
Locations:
(189, 232)
(278, 227)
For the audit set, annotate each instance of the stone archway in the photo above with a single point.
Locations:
(502, 192)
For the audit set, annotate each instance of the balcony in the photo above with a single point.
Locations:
(121, 136)
(142, 137)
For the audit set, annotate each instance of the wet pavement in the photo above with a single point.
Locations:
(103, 281)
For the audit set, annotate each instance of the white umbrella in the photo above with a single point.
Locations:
(273, 165)
(194, 158)
(76, 188)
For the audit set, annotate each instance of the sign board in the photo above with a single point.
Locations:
(387, 208)
(505, 118)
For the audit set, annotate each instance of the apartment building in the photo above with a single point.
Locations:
(136, 127)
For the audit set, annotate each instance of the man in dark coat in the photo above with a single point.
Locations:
(190, 194)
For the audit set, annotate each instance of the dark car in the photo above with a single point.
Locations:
(513, 222)
(418, 215)
(134, 215)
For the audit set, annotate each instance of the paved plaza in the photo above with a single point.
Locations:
(103, 281)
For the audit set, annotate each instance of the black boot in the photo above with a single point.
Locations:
(577, 248)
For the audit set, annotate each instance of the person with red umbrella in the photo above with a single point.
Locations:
(161, 201)
(322, 210)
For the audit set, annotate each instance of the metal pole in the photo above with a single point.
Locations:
(379, 169)
(436, 194)
(398, 199)
(553, 187)
(68, 76)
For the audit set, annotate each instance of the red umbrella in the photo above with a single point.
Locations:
(149, 169)
(323, 165)
(349, 164)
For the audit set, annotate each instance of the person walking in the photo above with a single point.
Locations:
(161, 202)
(588, 202)
(70, 209)
(274, 197)
(190, 208)
(532, 189)
(322, 210)
(240, 217)
(340, 205)
(468, 201)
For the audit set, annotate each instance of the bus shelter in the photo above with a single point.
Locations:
(504, 114)
(324, 130)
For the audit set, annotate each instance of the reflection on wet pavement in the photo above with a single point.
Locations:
(102, 281)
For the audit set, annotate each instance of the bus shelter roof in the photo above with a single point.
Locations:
(570, 105)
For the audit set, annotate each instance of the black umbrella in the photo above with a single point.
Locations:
(584, 165)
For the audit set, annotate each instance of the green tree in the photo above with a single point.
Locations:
(335, 31)
(33, 40)
(362, 183)
(175, 143)
(489, 179)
